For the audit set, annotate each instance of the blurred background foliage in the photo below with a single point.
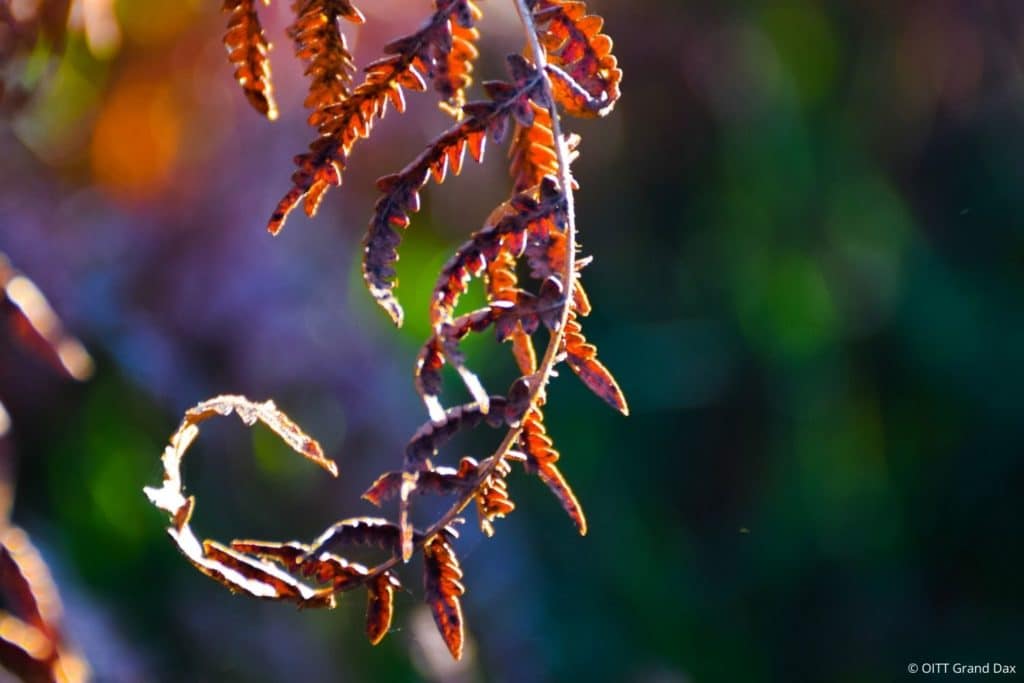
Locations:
(806, 218)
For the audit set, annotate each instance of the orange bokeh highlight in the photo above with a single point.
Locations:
(135, 141)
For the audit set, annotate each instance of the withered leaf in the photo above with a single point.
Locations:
(578, 49)
(230, 567)
(340, 125)
(432, 435)
(379, 606)
(492, 499)
(401, 191)
(247, 50)
(582, 358)
(322, 567)
(440, 481)
(443, 589)
(541, 457)
(329, 66)
(267, 413)
(453, 58)
(360, 531)
(243, 574)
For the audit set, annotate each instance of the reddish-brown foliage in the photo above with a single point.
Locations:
(320, 43)
(409, 61)
(443, 589)
(582, 358)
(570, 69)
(379, 606)
(541, 457)
(585, 73)
(247, 51)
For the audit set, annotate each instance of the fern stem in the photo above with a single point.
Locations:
(551, 353)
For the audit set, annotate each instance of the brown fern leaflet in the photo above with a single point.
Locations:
(409, 61)
(322, 46)
(247, 51)
(571, 70)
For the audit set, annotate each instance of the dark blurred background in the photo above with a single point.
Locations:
(807, 224)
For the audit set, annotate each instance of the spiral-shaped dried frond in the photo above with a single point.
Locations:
(238, 571)
(247, 50)
(535, 228)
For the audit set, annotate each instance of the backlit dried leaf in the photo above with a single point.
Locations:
(380, 606)
(329, 66)
(443, 589)
(341, 125)
(247, 50)
(401, 191)
(582, 358)
(360, 531)
(541, 457)
(577, 48)
(236, 570)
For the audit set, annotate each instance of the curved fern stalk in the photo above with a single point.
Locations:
(537, 224)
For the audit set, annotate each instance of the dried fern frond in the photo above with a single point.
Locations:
(237, 571)
(532, 153)
(453, 60)
(586, 73)
(541, 457)
(409, 61)
(320, 43)
(572, 68)
(492, 499)
(247, 51)
(443, 589)
(582, 358)
(401, 190)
